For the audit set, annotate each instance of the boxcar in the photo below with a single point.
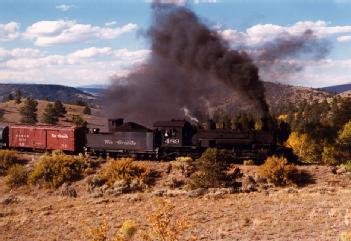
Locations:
(45, 137)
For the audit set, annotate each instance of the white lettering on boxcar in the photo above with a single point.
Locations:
(60, 136)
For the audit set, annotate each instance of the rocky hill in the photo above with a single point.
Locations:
(277, 93)
(48, 92)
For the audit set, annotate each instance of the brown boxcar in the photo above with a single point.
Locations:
(46, 137)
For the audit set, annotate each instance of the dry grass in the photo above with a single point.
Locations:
(319, 211)
(95, 120)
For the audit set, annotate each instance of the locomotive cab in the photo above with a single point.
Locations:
(175, 133)
(175, 138)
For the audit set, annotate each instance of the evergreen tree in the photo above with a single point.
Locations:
(29, 111)
(10, 97)
(87, 110)
(50, 115)
(2, 113)
(79, 121)
(18, 96)
(60, 109)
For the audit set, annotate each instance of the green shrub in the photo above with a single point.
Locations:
(212, 170)
(56, 169)
(17, 175)
(8, 158)
(278, 171)
(136, 176)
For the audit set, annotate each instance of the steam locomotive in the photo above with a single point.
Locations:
(166, 140)
(169, 139)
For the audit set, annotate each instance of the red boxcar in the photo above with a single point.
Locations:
(45, 137)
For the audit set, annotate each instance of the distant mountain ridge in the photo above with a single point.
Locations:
(46, 91)
(337, 88)
(276, 93)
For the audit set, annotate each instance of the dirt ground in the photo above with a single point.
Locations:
(318, 211)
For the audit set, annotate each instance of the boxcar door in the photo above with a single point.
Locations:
(37, 138)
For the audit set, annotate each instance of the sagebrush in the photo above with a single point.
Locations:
(135, 175)
(57, 168)
(17, 175)
(278, 171)
(8, 158)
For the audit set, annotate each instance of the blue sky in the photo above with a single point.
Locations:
(86, 42)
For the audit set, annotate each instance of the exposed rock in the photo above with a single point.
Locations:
(96, 194)
(159, 192)
(291, 190)
(68, 190)
(248, 184)
(94, 182)
(9, 199)
(120, 186)
(197, 192)
(341, 170)
(333, 169)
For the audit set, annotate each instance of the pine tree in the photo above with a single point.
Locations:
(60, 109)
(50, 115)
(10, 97)
(2, 113)
(79, 121)
(87, 110)
(29, 111)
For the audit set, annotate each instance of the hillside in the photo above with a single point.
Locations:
(11, 110)
(317, 211)
(277, 93)
(46, 92)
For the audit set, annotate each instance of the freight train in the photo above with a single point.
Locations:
(166, 140)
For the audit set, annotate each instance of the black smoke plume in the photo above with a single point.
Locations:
(188, 64)
(276, 59)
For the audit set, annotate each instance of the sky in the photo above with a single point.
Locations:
(86, 42)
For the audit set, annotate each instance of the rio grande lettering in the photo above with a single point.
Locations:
(121, 142)
(60, 136)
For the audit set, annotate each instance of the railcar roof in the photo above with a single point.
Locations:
(172, 123)
(132, 126)
(43, 126)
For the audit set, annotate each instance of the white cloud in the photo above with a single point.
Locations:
(110, 23)
(345, 38)
(64, 7)
(262, 33)
(85, 66)
(45, 33)
(181, 2)
(9, 31)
